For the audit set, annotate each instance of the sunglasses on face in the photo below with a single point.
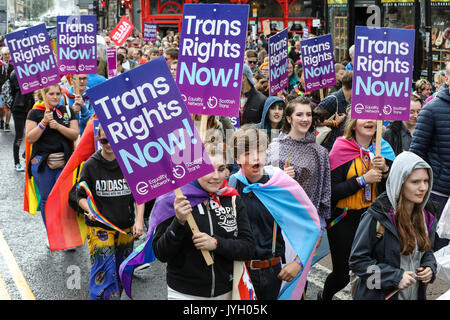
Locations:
(103, 141)
(252, 62)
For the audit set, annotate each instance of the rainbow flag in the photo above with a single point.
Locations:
(32, 198)
(66, 228)
(297, 217)
(94, 210)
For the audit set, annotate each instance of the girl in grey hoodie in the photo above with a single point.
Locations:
(391, 251)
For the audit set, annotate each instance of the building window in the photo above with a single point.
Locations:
(270, 9)
(171, 6)
(300, 9)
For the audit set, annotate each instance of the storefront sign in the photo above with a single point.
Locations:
(318, 62)
(384, 60)
(33, 58)
(211, 57)
(77, 44)
(150, 130)
(278, 62)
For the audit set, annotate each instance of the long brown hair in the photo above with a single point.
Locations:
(411, 227)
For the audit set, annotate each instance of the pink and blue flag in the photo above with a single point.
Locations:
(297, 217)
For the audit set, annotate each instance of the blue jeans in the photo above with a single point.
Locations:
(45, 180)
(438, 242)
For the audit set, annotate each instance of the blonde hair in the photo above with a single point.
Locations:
(38, 93)
(349, 129)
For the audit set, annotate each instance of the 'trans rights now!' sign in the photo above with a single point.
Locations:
(384, 60)
(77, 44)
(33, 59)
(150, 130)
(211, 57)
(318, 62)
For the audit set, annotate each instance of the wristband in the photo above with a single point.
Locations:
(41, 126)
(361, 181)
(299, 262)
(387, 171)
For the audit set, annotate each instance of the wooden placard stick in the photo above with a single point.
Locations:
(193, 225)
(76, 84)
(379, 135)
(203, 127)
(45, 100)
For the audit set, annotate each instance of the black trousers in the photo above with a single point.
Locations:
(19, 128)
(266, 283)
(340, 238)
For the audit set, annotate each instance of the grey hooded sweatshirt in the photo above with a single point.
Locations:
(402, 168)
(384, 253)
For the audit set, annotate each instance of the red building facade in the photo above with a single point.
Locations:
(297, 14)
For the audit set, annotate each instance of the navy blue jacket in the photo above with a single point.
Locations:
(431, 139)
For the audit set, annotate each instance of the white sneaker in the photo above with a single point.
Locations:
(19, 168)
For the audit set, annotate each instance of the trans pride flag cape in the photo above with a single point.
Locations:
(65, 228)
(345, 150)
(297, 217)
(163, 210)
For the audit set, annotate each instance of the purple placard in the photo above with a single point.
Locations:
(111, 61)
(383, 65)
(150, 31)
(318, 62)
(211, 57)
(150, 130)
(278, 62)
(33, 59)
(77, 44)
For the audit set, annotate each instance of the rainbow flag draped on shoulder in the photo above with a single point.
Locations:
(66, 228)
(32, 198)
(297, 217)
(163, 210)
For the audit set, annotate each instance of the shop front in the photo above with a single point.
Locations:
(298, 15)
(344, 15)
(337, 14)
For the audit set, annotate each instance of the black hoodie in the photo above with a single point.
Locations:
(110, 190)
